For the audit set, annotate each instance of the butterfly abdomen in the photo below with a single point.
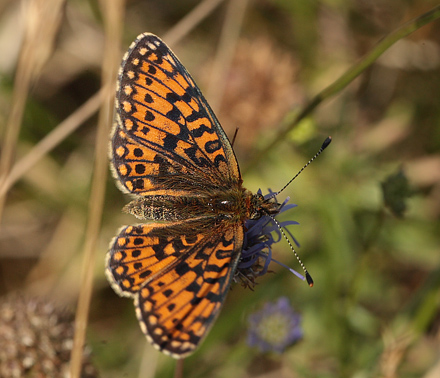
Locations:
(165, 208)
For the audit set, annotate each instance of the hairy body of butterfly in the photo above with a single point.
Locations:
(230, 206)
(169, 150)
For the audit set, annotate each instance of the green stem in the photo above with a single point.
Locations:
(350, 75)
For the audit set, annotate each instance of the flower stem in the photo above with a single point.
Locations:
(348, 77)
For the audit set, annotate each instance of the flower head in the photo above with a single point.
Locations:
(259, 237)
(275, 327)
(36, 339)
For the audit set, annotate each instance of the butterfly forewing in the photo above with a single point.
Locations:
(140, 169)
(160, 108)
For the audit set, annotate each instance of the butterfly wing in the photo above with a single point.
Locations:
(167, 141)
(165, 130)
(178, 279)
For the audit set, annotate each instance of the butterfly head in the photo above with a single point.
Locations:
(261, 206)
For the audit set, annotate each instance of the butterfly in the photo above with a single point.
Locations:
(169, 151)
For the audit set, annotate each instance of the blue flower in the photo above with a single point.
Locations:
(275, 327)
(259, 237)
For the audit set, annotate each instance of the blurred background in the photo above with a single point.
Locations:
(368, 208)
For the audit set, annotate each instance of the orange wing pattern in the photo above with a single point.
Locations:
(178, 278)
(165, 130)
(169, 149)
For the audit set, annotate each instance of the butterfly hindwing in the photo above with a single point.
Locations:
(141, 252)
(179, 281)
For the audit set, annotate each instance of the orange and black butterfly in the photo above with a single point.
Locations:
(169, 150)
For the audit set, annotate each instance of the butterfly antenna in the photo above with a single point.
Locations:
(234, 137)
(323, 147)
(306, 273)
